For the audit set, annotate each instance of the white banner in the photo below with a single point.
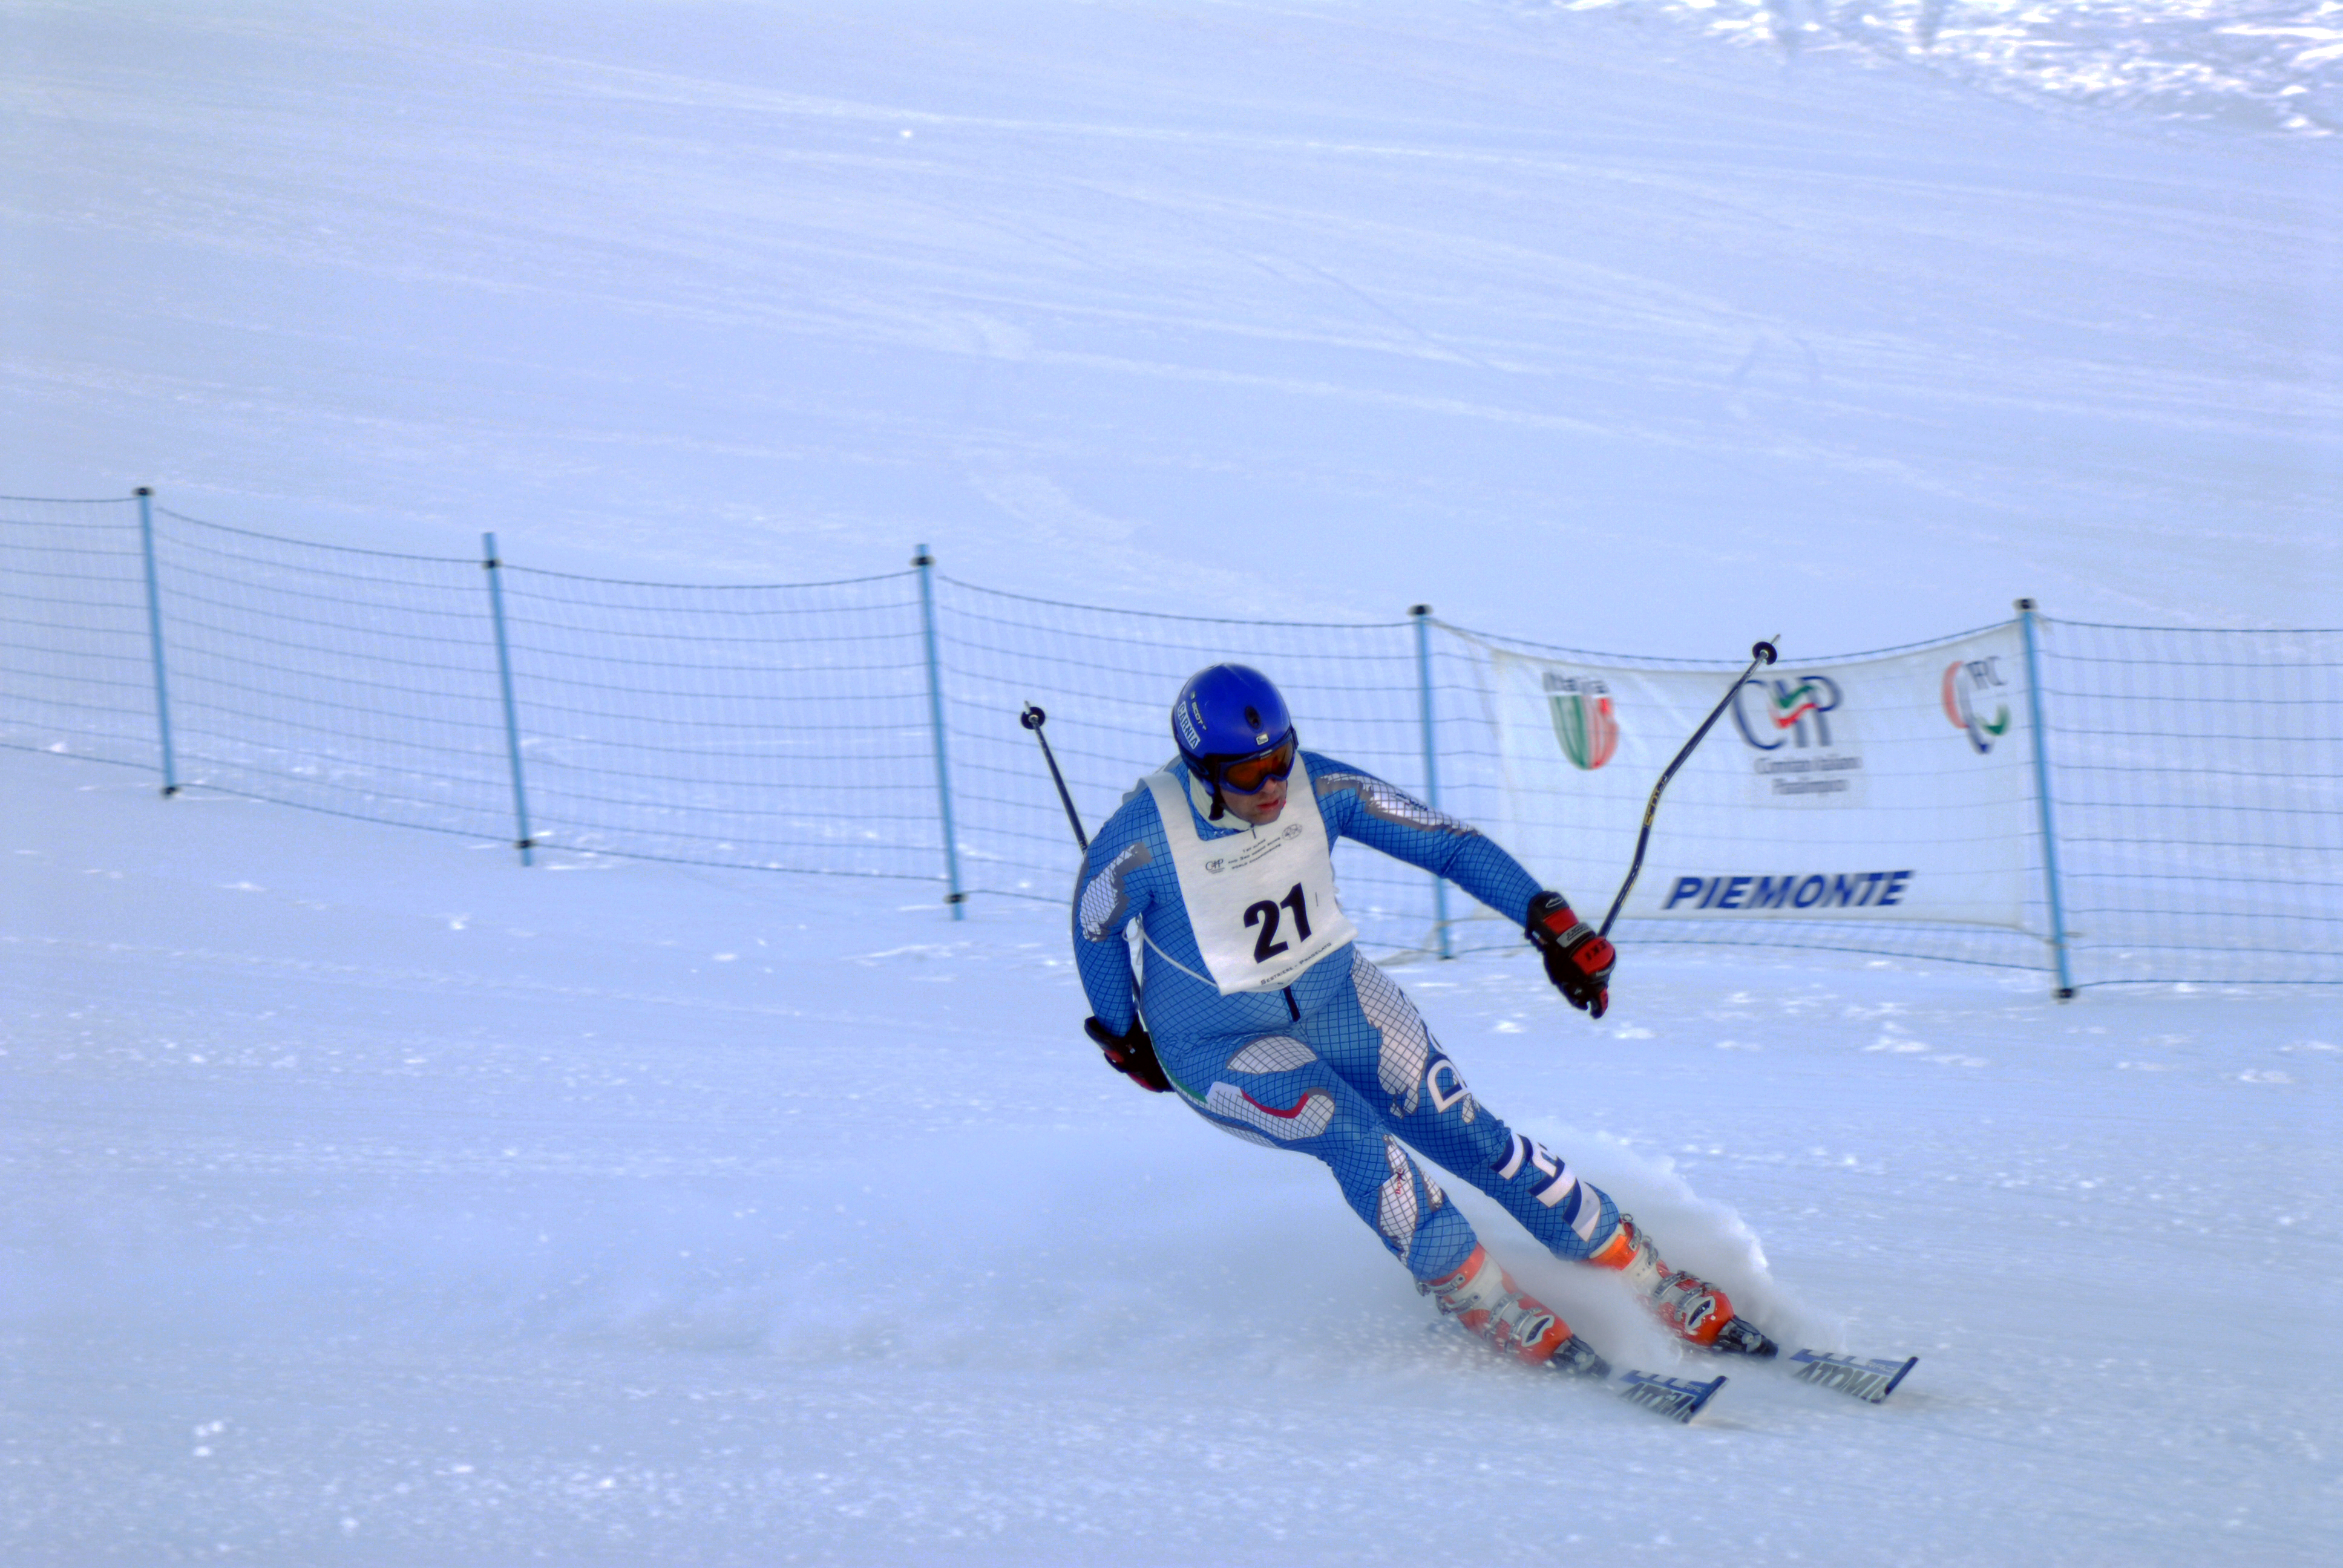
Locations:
(1895, 788)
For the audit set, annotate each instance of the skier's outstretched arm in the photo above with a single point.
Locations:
(1383, 817)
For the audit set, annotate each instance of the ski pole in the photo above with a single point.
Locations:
(1759, 653)
(1033, 719)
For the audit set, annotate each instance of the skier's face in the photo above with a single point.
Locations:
(1259, 808)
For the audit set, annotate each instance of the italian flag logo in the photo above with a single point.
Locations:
(1586, 727)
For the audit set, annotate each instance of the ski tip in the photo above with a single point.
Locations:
(1871, 1381)
(1678, 1399)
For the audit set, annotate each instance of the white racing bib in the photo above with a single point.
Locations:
(1261, 903)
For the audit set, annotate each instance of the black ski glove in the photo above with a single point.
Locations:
(1132, 1054)
(1577, 960)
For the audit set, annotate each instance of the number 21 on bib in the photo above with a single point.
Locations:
(1261, 901)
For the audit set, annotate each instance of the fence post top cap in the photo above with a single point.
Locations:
(1418, 610)
(144, 490)
(2025, 604)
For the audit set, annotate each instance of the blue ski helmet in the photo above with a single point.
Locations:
(1225, 713)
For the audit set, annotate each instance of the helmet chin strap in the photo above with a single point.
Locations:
(1218, 806)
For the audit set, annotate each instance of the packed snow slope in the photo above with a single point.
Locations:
(1586, 326)
(374, 1200)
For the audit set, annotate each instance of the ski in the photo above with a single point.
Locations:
(1678, 1398)
(1868, 1380)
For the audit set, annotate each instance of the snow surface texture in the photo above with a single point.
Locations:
(375, 1201)
(378, 1202)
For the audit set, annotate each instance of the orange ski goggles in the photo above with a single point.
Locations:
(1247, 776)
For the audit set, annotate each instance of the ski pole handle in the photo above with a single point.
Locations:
(1759, 653)
(1033, 719)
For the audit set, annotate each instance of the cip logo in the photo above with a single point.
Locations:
(1970, 686)
(1794, 708)
(1583, 719)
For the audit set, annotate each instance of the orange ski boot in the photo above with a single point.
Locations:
(1483, 1297)
(1691, 1308)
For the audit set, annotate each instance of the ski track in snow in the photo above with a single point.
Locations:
(376, 1201)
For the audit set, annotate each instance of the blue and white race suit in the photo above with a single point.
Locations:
(1331, 1060)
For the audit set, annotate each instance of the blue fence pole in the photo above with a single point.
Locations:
(955, 898)
(503, 676)
(1421, 615)
(2025, 616)
(155, 640)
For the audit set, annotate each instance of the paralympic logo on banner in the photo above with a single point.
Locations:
(1584, 720)
(1968, 684)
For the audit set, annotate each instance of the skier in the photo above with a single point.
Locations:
(1262, 1014)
